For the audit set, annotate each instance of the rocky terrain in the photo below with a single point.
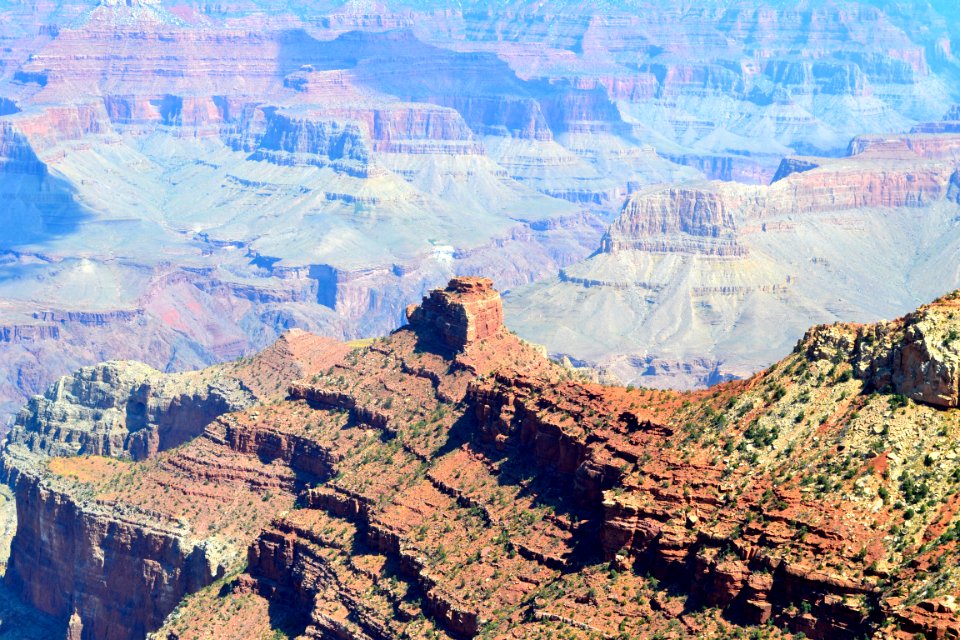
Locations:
(448, 480)
(183, 182)
(92, 425)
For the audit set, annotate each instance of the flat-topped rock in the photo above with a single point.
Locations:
(469, 309)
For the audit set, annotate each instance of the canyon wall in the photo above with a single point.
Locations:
(686, 273)
(422, 485)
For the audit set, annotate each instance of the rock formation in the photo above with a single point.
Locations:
(693, 284)
(449, 481)
(149, 559)
(124, 408)
(352, 157)
(917, 356)
(469, 309)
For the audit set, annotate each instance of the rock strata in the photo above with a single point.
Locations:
(698, 283)
(449, 481)
(657, 477)
(467, 310)
(124, 408)
(113, 562)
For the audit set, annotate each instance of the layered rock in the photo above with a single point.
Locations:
(291, 140)
(703, 492)
(110, 547)
(880, 173)
(146, 564)
(469, 309)
(124, 408)
(694, 284)
(704, 221)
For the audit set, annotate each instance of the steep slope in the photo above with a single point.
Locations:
(150, 556)
(449, 481)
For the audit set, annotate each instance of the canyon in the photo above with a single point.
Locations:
(184, 182)
(703, 282)
(256, 380)
(448, 480)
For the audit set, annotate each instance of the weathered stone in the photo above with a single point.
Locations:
(469, 309)
(917, 355)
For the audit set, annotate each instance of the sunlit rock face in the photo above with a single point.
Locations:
(467, 310)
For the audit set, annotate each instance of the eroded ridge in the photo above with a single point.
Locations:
(450, 481)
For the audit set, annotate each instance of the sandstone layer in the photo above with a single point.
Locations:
(411, 486)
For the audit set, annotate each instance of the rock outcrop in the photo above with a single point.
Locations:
(119, 571)
(469, 309)
(448, 480)
(917, 356)
(692, 219)
(891, 172)
(114, 562)
(124, 409)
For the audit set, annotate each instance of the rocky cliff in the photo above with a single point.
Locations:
(917, 356)
(889, 172)
(124, 408)
(110, 565)
(442, 482)
(469, 309)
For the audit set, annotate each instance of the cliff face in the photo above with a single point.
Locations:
(456, 488)
(124, 408)
(469, 309)
(104, 555)
(676, 219)
(888, 172)
(120, 572)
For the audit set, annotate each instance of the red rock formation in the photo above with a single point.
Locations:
(118, 563)
(469, 309)
(121, 571)
(466, 488)
(936, 619)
